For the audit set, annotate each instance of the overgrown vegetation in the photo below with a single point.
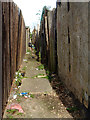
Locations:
(39, 56)
(24, 68)
(72, 109)
(19, 76)
(30, 35)
(41, 67)
(47, 76)
(12, 111)
(20, 114)
(28, 50)
(18, 100)
(9, 116)
(31, 95)
(18, 79)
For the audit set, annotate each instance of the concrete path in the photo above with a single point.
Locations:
(31, 84)
(44, 103)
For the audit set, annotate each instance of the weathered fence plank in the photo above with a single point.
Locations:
(52, 40)
(13, 45)
(66, 37)
(72, 41)
(89, 59)
(0, 60)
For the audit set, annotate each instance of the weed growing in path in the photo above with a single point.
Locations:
(31, 95)
(12, 111)
(20, 114)
(24, 68)
(9, 116)
(41, 67)
(72, 109)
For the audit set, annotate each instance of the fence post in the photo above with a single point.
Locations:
(88, 115)
(0, 60)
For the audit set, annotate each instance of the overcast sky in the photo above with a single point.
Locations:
(31, 7)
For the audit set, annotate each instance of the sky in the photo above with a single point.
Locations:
(31, 7)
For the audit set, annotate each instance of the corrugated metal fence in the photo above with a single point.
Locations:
(13, 45)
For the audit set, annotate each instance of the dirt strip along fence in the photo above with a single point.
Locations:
(13, 45)
(64, 37)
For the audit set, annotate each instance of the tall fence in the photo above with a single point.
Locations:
(72, 48)
(0, 59)
(27, 37)
(64, 37)
(13, 45)
(46, 37)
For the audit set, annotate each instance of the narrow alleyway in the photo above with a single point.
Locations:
(57, 88)
(43, 102)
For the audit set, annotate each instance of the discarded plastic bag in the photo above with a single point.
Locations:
(25, 60)
(36, 69)
(28, 53)
(19, 86)
(25, 97)
(23, 93)
(14, 96)
(41, 76)
(15, 106)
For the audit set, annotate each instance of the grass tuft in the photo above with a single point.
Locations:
(41, 67)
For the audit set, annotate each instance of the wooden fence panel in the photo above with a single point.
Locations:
(13, 45)
(0, 60)
(11, 39)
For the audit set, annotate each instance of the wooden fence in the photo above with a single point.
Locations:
(13, 45)
(47, 39)
(64, 37)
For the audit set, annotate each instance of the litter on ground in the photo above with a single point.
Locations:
(36, 69)
(24, 60)
(27, 53)
(19, 86)
(26, 95)
(15, 106)
(14, 96)
(23, 93)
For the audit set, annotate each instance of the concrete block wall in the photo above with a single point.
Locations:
(72, 48)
